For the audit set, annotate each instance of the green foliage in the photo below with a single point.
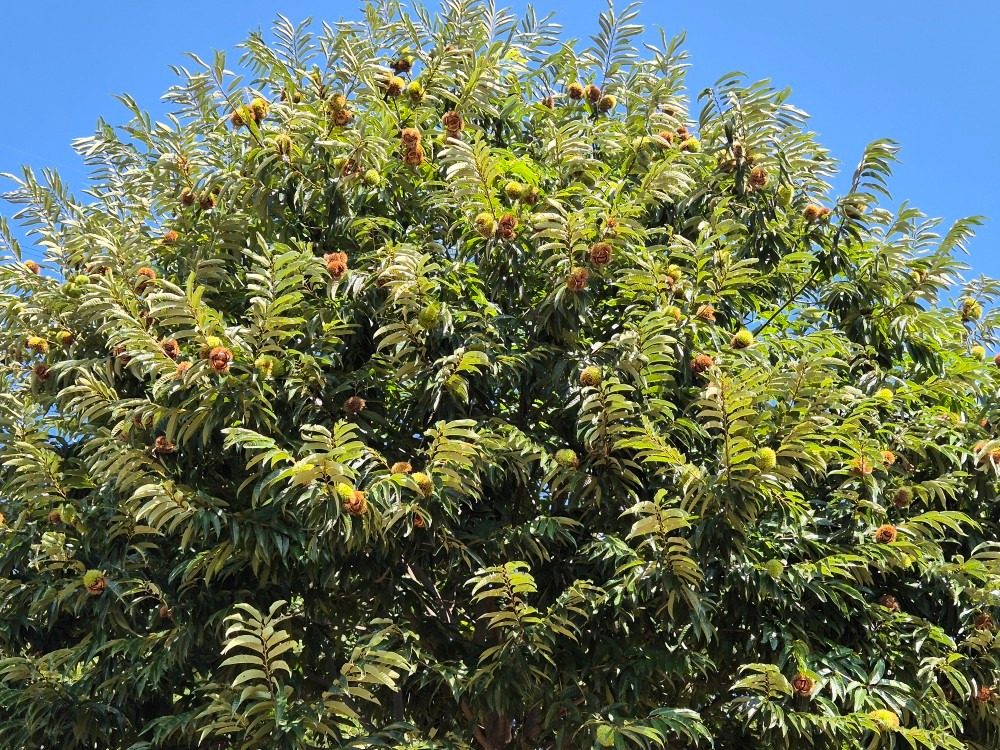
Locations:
(521, 404)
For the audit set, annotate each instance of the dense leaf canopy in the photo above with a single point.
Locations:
(431, 381)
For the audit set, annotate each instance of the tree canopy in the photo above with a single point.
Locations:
(434, 381)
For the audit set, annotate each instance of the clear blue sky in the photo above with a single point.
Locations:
(924, 74)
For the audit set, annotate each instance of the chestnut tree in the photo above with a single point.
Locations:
(435, 381)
